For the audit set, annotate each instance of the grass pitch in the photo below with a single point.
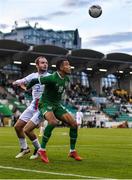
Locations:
(107, 153)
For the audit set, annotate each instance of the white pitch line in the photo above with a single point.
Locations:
(53, 173)
(53, 146)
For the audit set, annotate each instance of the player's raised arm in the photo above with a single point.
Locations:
(40, 80)
(18, 82)
(46, 80)
(32, 83)
(22, 82)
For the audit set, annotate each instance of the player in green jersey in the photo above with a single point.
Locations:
(51, 108)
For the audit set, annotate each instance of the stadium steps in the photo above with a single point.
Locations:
(111, 111)
(12, 100)
(3, 90)
(124, 117)
(4, 109)
(21, 107)
(70, 108)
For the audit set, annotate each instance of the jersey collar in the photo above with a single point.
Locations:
(42, 73)
(59, 75)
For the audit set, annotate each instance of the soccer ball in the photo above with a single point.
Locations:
(95, 11)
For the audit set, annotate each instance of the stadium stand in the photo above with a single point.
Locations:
(100, 104)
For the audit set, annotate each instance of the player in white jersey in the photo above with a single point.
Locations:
(31, 116)
(42, 127)
(79, 117)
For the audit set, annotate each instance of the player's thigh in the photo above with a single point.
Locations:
(59, 111)
(50, 117)
(30, 126)
(26, 115)
(62, 114)
(20, 124)
(37, 118)
(69, 119)
(47, 112)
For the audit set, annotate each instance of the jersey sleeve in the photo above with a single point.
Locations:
(25, 80)
(46, 80)
(40, 80)
(28, 78)
(32, 83)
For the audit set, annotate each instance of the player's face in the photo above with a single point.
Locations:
(42, 65)
(66, 68)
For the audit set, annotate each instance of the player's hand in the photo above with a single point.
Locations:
(14, 83)
(23, 86)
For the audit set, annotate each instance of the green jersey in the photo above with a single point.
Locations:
(54, 87)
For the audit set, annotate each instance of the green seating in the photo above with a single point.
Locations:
(17, 104)
(70, 108)
(110, 111)
(124, 117)
(5, 110)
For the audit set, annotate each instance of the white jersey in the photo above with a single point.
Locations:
(37, 89)
(79, 117)
(32, 113)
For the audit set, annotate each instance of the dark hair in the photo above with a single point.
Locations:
(37, 59)
(59, 61)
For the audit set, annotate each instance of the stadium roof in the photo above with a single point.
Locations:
(80, 58)
(50, 50)
(85, 56)
(119, 57)
(88, 53)
(11, 47)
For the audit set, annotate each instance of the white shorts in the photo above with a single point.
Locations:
(31, 114)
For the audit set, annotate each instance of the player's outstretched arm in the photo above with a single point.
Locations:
(17, 82)
(40, 80)
(32, 83)
(20, 83)
(24, 80)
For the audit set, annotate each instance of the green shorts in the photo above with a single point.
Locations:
(57, 109)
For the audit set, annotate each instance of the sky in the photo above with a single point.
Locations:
(111, 32)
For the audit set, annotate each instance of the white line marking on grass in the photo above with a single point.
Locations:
(62, 146)
(8, 146)
(53, 173)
